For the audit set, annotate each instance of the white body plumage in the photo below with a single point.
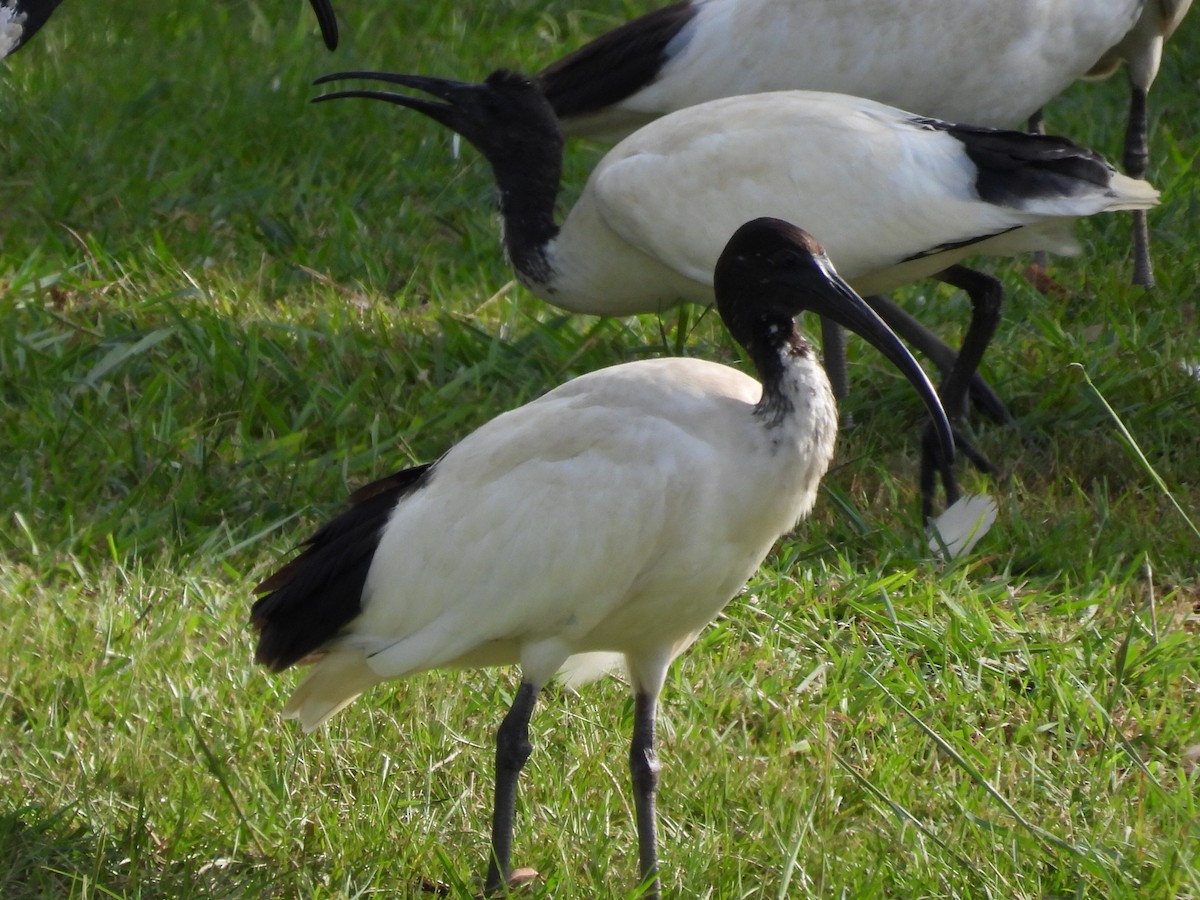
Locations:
(616, 514)
(989, 62)
(681, 490)
(879, 189)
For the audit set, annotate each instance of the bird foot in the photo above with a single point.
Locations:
(518, 880)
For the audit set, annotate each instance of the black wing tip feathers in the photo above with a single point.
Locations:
(312, 597)
(1019, 166)
(615, 65)
(36, 13)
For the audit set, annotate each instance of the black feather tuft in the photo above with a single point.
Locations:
(1015, 166)
(616, 65)
(34, 14)
(313, 597)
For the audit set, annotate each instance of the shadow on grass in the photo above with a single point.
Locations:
(51, 853)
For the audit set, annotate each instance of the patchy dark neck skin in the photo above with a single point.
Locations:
(528, 230)
(773, 357)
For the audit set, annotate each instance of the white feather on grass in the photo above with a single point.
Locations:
(955, 532)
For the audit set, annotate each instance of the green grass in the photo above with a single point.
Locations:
(221, 309)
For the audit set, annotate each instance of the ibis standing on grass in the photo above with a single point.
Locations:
(616, 514)
(21, 19)
(893, 197)
(990, 62)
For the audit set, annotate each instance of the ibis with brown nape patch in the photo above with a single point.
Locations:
(892, 196)
(618, 513)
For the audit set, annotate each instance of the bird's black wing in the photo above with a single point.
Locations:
(1015, 166)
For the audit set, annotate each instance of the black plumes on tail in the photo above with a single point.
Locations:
(1015, 166)
(36, 12)
(616, 65)
(308, 602)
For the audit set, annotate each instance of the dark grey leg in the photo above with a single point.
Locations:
(512, 750)
(644, 767)
(940, 353)
(1136, 159)
(932, 464)
(987, 296)
(833, 353)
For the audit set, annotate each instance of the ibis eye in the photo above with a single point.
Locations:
(785, 259)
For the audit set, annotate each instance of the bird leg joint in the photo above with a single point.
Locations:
(645, 769)
(512, 741)
(1137, 152)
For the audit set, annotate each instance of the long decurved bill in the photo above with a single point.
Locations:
(844, 306)
(447, 113)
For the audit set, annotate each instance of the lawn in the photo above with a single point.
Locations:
(221, 309)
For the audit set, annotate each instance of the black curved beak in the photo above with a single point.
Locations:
(328, 22)
(844, 306)
(447, 113)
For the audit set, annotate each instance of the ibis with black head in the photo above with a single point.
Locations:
(893, 197)
(980, 61)
(618, 513)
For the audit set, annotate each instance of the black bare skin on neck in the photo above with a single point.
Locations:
(616, 65)
(767, 332)
(771, 364)
(519, 135)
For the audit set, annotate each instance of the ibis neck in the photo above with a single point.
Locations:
(778, 357)
(527, 188)
(773, 344)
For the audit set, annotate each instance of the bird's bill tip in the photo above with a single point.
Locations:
(387, 96)
(441, 112)
(328, 22)
(853, 312)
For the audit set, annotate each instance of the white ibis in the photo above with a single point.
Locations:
(991, 62)
(618, 513)
(892, 196)
(21, 19)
